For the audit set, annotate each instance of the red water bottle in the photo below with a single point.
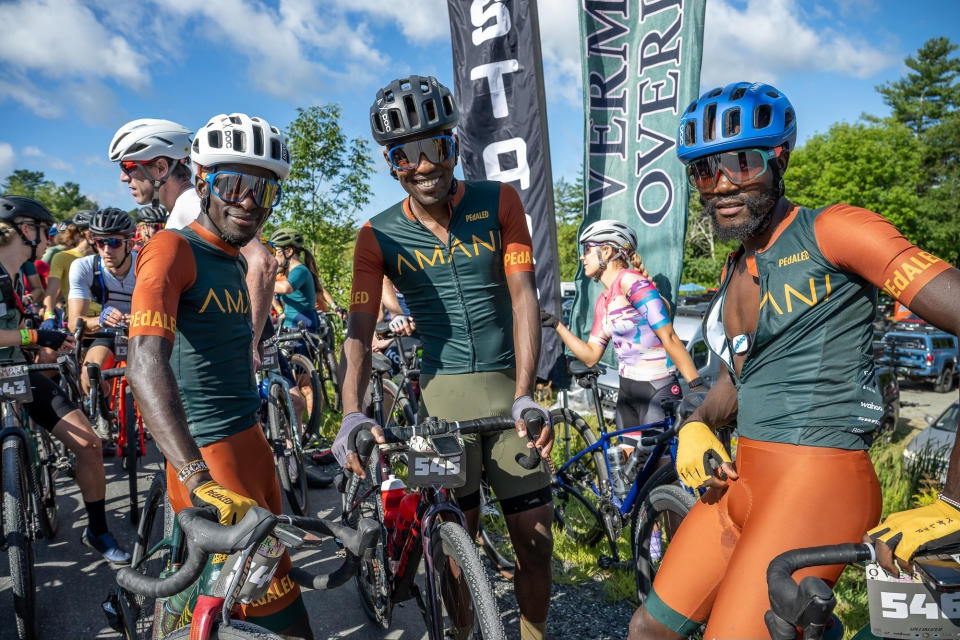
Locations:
(391, 492)
(405, 515)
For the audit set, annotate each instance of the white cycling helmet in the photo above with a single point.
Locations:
(237, 138)
(611, 232)
(149, 138)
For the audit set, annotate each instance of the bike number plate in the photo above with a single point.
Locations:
(430, 470)
(120, 347)
(271, 360)
(15, 383)
(909, 608)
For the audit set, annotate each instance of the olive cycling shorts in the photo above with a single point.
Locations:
(466, 396)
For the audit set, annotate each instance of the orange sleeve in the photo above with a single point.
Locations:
(867, 244)
(368, 273)
(165, 269)
(517, 246)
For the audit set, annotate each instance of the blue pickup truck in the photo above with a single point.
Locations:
(920, 351)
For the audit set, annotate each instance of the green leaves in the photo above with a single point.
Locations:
(62, 200)
(329, 182)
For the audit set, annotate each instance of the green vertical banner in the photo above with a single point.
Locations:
(641, 68)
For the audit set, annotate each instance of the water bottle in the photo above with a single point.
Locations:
(391, 492)
(406, 513)
(615, 458)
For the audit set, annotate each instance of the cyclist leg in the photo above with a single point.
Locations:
(53, 411)
(801, 497)
(100, 352)
(243, 462)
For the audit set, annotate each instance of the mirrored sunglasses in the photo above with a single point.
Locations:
(130, 167)
(111, 243)
(742, 165)
(406, 156)
(234, 187)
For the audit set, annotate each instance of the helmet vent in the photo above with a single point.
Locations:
(692, 107)
(214, 139)
(424, 86)
(275, 151)
(448, 107)
(710, 122)
(788, 118)
(762, 116)
(690, 133)
(258, 140)
(431, 108)
(715, 92)
(738, 93)
(405, 84)
(235, 120)
(731, 122)
(773, 94)
(388, 96)
(411, 108)
(137, 147)
(395, 119)
(239, 141)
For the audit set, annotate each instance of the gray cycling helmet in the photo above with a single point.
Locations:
(153, 214)
(287, 237)
(112, 222)
(410, 107)
(616, 234)
(81, 219)
(12, 207)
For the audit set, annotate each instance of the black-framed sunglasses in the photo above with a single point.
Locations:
(406, 156)
(739, 166)
(108, 243)
(44, 229)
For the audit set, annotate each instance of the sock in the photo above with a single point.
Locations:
(96, 516)
(532, 630)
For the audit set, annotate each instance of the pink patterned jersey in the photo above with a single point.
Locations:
(629, 312)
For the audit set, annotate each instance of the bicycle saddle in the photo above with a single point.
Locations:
(578, 369)
(381, 364)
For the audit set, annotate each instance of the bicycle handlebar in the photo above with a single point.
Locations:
(204, 536)
(807, 605)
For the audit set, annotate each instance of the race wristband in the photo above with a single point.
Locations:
(696, 382)
(191, 469)
(48, 315)
(27, 336)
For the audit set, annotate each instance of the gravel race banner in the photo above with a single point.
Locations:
(641, 68)
(498, 79)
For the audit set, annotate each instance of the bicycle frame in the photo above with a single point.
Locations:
(651, 464)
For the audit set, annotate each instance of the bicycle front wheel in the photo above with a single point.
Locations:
(156, 522)
(237, 630)
(330, 375)
(465, 598)
(579, 480)
(16, 526)
(653, 527)
(308, 382)
(287, 454)
(493, 535)
(373, 582)
(131, 450)
(45, 484)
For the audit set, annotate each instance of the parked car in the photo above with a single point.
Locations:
(920, 351)
(934, 443)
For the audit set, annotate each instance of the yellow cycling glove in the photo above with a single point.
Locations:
(230, 506)
(697, 446)
(908, 532)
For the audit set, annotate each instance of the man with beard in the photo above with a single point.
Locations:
(190, 360)
(460, 253)
(793, 323)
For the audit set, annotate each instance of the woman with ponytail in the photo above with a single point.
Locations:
(300, 287)
(631, 312)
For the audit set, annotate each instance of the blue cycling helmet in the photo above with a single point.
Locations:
(739, 116)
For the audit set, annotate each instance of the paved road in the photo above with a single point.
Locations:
(73, 582)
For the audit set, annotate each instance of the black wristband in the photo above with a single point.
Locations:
(696, 382)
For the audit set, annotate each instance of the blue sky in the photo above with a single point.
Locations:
(71, 72)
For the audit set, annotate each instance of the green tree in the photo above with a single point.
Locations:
(878, 166)
(568, 205)
(329, 182)
(703, 252)
(62, 200)
(930, 92)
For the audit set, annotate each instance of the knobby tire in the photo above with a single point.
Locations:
(308, 381)
(45, 485)
(16, 527)
(661, 511)
(293, 480)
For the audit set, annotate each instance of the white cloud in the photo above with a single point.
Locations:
(8, 159)
(31, 151)
(560, 46)
(421, 21)
(62, 39)
(769, 37)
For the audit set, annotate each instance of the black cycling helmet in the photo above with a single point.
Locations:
(112, 222)
(12, 207)
(410, 107)
(153, 214)
(287, 237)
(81, 219)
